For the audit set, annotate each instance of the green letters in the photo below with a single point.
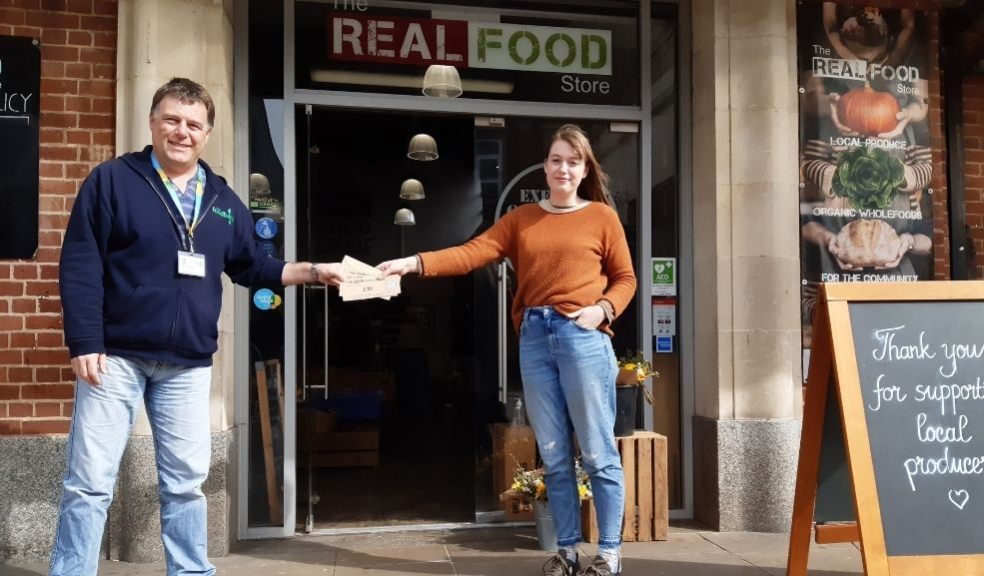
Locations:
(484, 41)
(571, 49)
(514, 47)
(586, 41)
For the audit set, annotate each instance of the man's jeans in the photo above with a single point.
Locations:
(176, 399)
(569, 383)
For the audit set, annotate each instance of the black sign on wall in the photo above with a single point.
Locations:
(20, 114)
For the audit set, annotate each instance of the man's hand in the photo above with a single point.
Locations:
(330, 273)
(401, 266)
(88, 367)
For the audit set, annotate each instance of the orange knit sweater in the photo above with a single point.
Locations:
(567, 261)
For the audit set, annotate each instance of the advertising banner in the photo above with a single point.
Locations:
(864, 156)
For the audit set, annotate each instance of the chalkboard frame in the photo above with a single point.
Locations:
(834, 361)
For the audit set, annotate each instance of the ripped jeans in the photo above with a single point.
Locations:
(569, 384)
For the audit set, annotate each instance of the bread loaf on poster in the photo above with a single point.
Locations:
(866, 243)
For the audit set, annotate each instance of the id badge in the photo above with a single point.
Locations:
(191, 264)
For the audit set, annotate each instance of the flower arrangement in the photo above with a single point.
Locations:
(634, 370)
(529, 484)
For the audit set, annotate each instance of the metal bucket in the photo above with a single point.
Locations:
(546, 531)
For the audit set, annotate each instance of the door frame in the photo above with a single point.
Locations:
(641, 115)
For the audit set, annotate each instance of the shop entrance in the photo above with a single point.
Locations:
(397, 399)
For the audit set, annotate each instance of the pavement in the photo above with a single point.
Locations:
(505, 551)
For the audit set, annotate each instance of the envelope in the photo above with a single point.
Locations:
(353, 269)
(365, 289)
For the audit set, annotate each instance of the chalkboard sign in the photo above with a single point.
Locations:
(20, 112)
(899, 368)
(922, 381)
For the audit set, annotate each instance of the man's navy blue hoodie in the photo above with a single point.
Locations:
(120, 288)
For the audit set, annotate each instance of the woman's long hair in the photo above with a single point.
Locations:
(594, 187)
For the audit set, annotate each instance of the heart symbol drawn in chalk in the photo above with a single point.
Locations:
(959, 498)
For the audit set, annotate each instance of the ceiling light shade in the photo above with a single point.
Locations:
(258, 183)
(442, 81)
(404, 217)
(412, 189)
(422, 147)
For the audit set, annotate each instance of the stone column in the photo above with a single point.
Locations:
(158, 40)
(746, 250)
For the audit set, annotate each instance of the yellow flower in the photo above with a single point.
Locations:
(630, 366)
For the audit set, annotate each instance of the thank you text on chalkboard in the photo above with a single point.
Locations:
(921, 370)
(20, 111)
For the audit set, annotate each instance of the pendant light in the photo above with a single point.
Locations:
(404, 217)
(442, 81)
(411, 189)
(422, 147)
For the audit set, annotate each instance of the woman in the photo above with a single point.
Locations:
(574, 277)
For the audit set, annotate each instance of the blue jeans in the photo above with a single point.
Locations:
(569, 383)
(176, 399)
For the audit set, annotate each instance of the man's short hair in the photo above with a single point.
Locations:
(187, 92)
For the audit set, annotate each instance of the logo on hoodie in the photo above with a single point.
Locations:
(224, 214)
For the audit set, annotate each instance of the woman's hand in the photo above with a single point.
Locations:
(906, 243)
(834, 250)
(589, 317)
(401, 266)
(844, 130)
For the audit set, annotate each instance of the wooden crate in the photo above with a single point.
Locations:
(517, 508)
(512, 446)
(646, 505)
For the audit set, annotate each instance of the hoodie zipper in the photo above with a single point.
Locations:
(177, 313)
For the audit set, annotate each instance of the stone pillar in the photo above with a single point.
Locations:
(158, 40)
(746, 250)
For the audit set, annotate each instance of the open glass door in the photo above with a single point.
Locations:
(385, 408)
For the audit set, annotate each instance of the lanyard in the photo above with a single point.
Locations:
(175, 196)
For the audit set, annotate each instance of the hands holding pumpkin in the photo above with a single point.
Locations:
(835, 116)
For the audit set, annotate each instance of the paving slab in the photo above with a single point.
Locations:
(511, 551)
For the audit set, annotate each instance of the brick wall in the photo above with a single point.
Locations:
(78, 72)
(974, 168)
(937, 129)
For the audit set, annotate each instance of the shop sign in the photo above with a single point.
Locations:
(360, 38)
(539, 48)
(416, 41)
(20, 94)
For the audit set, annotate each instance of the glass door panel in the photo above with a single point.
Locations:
(386, 411)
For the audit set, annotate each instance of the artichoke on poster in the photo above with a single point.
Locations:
(868, 177)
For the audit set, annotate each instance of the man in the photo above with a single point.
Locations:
(149, 236)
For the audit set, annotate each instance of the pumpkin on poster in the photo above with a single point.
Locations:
(867, 111)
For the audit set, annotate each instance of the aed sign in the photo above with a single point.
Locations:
(664, 277)
(539, 48)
